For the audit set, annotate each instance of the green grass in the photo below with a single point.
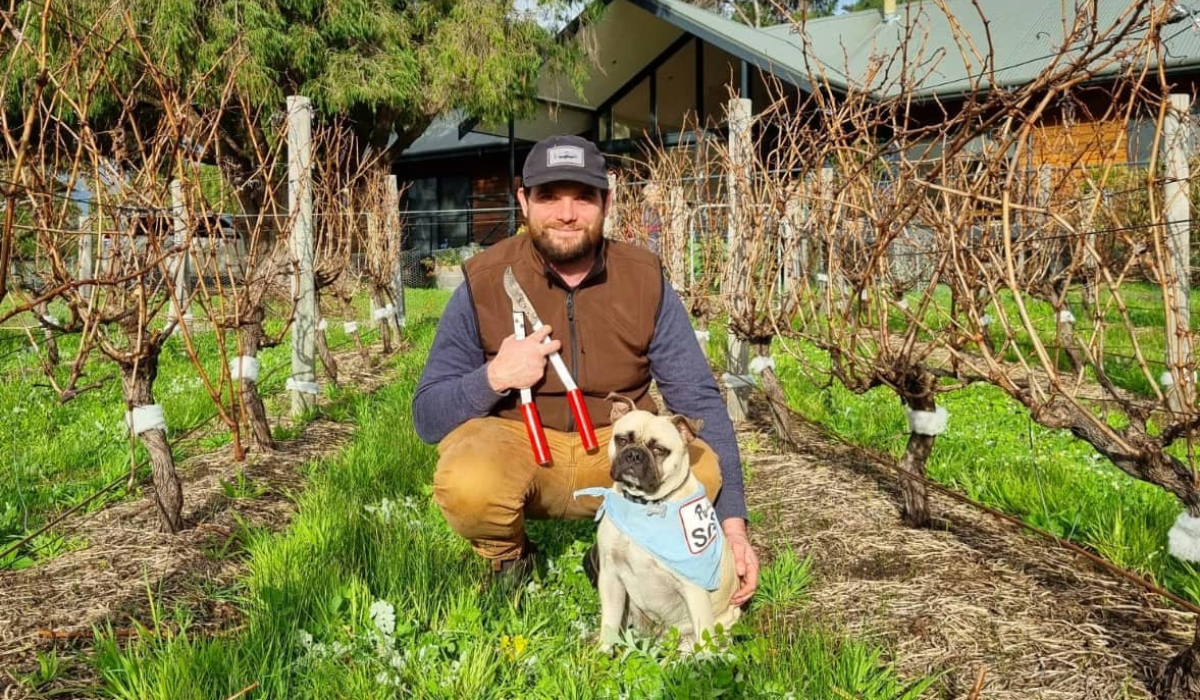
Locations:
(994, 453)
(368, 594)
(56, 455)
(1104, 328)
(1112, 333)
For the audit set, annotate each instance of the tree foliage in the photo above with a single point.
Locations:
(389, 66)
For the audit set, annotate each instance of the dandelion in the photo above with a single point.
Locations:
(581, 627)
(384, 510)
(513, 646)
(455, 667)
(306, 639)
(384, 617)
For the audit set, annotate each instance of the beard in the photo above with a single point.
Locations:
(565, 252)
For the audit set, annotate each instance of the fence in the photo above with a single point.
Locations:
(430, 230)
(643, 215)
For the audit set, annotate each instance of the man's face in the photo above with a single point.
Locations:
(565, 219)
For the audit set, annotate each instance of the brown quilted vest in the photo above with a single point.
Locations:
(605, 324)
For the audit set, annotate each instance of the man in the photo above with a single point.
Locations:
(618, 324)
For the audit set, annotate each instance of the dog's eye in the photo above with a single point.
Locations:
(661, 451)
(620, 440)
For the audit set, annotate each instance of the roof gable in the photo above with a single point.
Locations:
(930, 50)
(943, 49)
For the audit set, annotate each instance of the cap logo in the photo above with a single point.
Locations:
(564, 155)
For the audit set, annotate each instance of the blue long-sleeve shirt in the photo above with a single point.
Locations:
(454, 386)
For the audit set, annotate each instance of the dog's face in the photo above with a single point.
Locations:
(648, 454)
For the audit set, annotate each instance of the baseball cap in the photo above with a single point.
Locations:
(570, 158)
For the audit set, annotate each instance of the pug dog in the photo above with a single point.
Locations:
(664, 561)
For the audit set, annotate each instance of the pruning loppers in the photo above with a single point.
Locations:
(522, 307)
(529, 411)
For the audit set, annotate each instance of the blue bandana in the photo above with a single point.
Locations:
(683, 535)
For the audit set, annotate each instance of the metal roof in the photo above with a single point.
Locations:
(442, 136)
(769, 52)
(942, 46)
(944, 49)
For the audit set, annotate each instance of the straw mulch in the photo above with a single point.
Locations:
(125, 560)
(971, 596)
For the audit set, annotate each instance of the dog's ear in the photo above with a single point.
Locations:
(689, 428)
(620, 406)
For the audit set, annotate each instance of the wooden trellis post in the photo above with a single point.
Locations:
(392, 221)
(303, 382)
(1181, 389)
(87, 261)
(178, 309)
(737, 190)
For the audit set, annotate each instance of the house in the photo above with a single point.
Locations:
(665, 65)
(655, 74)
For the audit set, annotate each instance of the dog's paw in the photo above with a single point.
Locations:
(688, 646)
(608, 640)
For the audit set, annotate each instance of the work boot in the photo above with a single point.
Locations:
(591, 565)
(516, 572)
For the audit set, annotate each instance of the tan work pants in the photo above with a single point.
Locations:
(487, 482)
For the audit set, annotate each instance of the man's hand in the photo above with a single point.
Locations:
(520, 364)
(746, 561)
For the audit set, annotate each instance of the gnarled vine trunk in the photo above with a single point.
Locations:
(256, 413)
(917, 393)
(776, 399)
(1180, 678)
(137, 379)
(327, 361)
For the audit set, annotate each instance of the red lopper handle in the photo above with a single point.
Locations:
(587, 433)
(537, 436)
